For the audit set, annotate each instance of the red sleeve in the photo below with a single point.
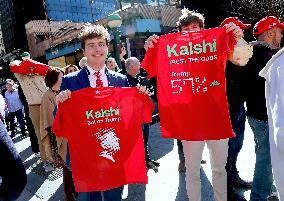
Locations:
(150, 61)
(58, 126)
(147, 109)
(30, 66)
(231, 41)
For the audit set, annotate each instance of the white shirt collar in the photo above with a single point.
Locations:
(92, 71)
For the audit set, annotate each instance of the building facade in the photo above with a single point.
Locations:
(139, 22)
(78, 10)
(7, 23)
(2, 46)
(14, 14)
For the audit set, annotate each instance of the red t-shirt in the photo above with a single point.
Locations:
(30, 67)
(190, 70)
(103, 129)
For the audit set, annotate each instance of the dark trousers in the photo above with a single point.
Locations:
(7, 122)
(20, 118)
(69, 188)
(180, 151)
(146, 130)
(110, 195)
(12, 170)
(238, 119)
(32, 134)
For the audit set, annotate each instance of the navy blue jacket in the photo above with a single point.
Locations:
(12, 170)
(79, 80)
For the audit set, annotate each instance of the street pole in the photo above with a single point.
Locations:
(116, 41)
(114, 22)
(118, 4)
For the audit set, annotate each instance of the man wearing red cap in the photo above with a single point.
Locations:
(235, 97)
(274, 85)
(268, 32)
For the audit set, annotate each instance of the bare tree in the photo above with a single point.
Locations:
(253, 10)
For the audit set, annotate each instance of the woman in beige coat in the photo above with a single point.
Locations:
(50, 143)
(55, 147)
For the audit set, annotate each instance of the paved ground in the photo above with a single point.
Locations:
(166, 185)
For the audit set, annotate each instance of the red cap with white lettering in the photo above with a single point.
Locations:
(236, 21)
(265, 24)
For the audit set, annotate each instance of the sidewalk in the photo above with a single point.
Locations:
(166, 185)
(40, 185)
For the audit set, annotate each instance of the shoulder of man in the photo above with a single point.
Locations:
(74, 80)
(278, 56)
(261, 48)
(74, 74)
(278, 60)
(116, 74)
(262, 52)
(117, 79)
(144, 81)
(82, 73)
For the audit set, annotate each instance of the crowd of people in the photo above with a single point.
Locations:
(243, 85)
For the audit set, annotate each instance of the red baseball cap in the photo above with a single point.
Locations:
(236, 21)
(265, 24)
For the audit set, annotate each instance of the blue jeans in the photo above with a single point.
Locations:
(238, 120)
(110, 195)
(262, 179)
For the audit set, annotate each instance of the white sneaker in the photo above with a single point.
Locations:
(273, 194)
(48, 167)
(37, 155)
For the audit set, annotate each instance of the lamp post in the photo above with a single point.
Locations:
(114, 22)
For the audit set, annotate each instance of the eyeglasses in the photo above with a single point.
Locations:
(111, 61)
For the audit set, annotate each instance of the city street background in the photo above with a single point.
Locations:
(165, 185)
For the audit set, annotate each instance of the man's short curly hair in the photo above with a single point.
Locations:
(188, 17)
(90, 31)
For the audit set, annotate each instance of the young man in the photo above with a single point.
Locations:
(268, 32)
(94, 41)
(193, 22)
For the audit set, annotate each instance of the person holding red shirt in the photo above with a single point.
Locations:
(268, 33)
(94, 42)
(191, 21)
(235, 97)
